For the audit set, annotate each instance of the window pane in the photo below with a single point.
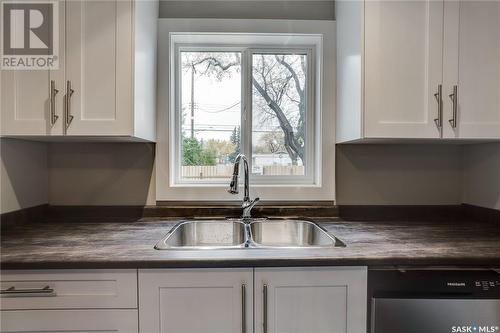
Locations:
(211, 114)
(279, 114)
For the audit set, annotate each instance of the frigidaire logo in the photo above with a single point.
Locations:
(30, 31)
(474, 329)
(455, 284)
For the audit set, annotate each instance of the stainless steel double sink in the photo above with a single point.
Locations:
(254, 233)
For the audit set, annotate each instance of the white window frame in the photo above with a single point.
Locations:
(312, 148)
(249, 36)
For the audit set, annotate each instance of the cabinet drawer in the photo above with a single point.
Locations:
(68, 289)
(32, 321)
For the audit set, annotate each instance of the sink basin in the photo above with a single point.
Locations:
(254, 233)
(291, 234)
(204, 234)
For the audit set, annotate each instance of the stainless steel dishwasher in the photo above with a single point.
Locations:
(434, 301)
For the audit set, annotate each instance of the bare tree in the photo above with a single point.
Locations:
(272, 142)
(279, 91)
(211, 63)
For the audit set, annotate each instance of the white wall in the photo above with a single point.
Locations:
(249, 9)
(101, 174)
(481, 183)
(23, 174)
(121, 174)
(399, 174)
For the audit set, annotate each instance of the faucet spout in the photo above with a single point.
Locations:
(247, 204)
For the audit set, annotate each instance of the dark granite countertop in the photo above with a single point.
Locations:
(130, 245)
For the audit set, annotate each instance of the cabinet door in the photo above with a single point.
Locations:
(99, 66)
(25, 102)
(479, 70)
(81, 321)
(24, 98)
(196, 301)
(303, 300)
(403, 68)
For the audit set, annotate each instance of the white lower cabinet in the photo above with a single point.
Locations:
(81, 321)
(225, 300)
(63, 289)
(195, 300)
(285, 300)
(303, 300)
(62, 301)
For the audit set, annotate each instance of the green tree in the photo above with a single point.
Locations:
(236, 141)
(221, 148)
(194, 154)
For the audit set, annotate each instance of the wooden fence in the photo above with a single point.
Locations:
(283, 170)
(225, 171)
(206, 171)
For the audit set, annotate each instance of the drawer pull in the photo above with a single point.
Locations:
(68, 117)
(29, 292)
(454, 105)
(53, 93)
(439, 100)
(243, 308)
(264, 291)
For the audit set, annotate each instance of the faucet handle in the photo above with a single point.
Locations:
(247, 208)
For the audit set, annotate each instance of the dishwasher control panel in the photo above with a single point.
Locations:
(435, 283)
(486, 285)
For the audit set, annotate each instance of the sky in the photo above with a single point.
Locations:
(217, 105)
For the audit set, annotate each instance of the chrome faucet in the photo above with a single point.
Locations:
(247, 204)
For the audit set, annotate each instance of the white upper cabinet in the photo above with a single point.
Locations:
(403, 68)
(473, 53)
(99, 58)
(398, 62)
(28, 98)
(107, 78)
(25, 98)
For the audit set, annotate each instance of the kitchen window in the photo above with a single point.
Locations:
(224, 91)
(258, 101)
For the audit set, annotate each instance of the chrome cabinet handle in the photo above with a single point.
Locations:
(53, 93)
(28, 292)
(264, 291)
(454, 104)
(439, 99)
(243, 308)
(68, 117)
